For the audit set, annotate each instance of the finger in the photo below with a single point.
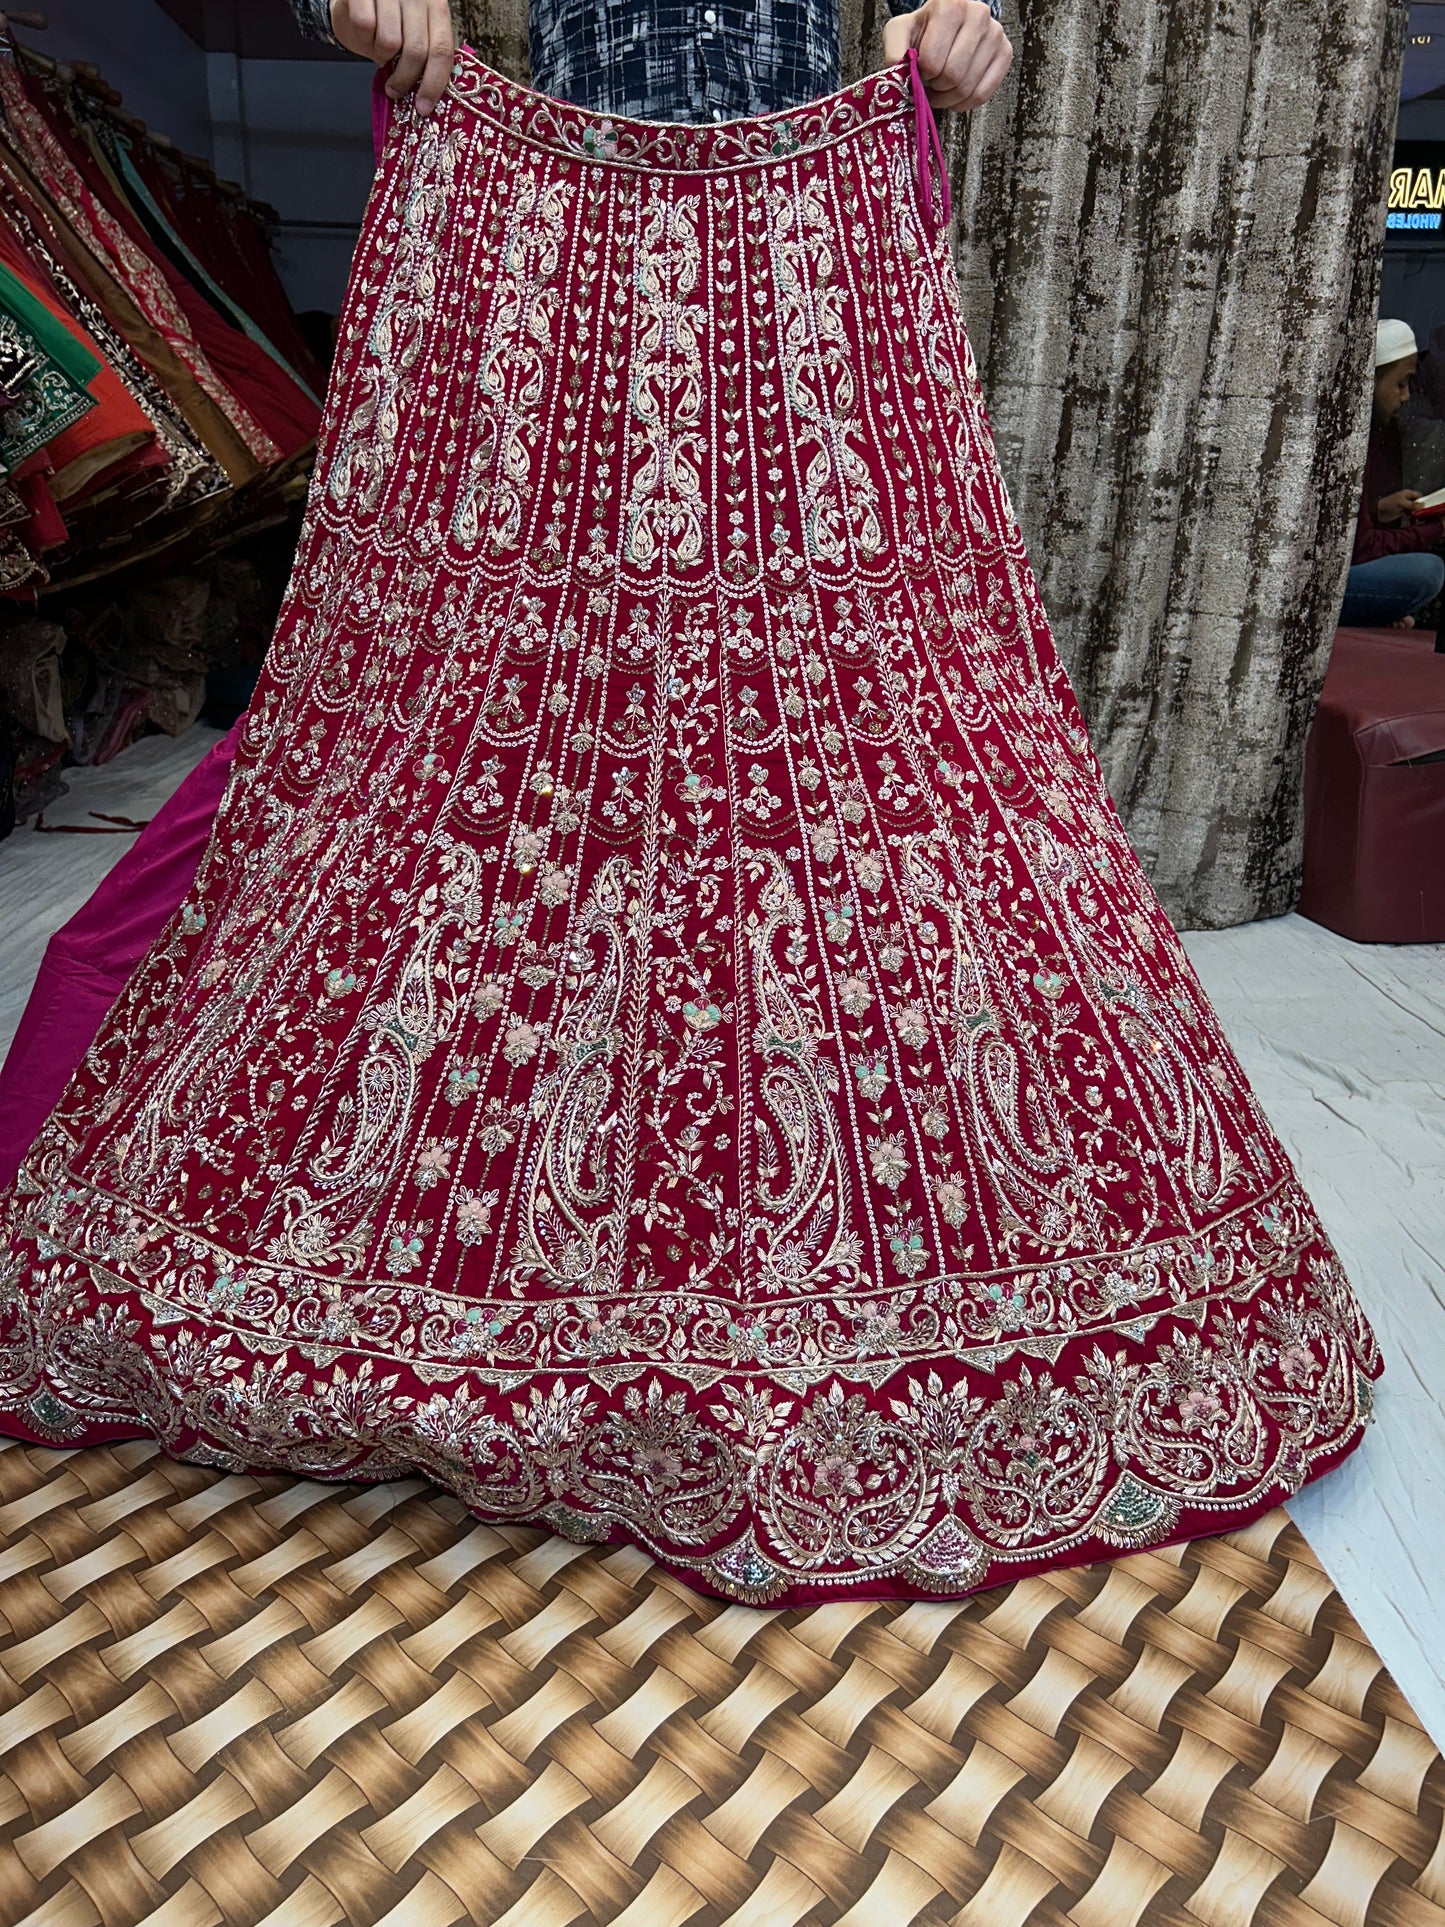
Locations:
(994, 75)
(980, 84)
(902, 31)
(952, 92)
(354, 24)
(386, 35)
(415, 47)
(969, 54)
(895, 38)
(957, 86)
(436, 75)
(935, 48)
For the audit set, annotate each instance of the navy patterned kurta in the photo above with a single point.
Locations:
(673, 60)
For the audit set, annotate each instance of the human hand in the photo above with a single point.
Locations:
(416, 34)
(1391, 509)
(963, 52)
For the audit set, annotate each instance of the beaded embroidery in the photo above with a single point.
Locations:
(669, 1036)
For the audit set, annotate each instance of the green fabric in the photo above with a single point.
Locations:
(60, 344)
(53, 394)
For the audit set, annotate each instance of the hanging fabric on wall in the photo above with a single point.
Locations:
(157, 399)
(74, 196)
(163, 230)
(192, 474)
(215, 221)
(161, 391)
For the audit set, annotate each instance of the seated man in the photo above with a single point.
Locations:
(1394, 567)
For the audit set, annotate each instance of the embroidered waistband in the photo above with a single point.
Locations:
(677, 147)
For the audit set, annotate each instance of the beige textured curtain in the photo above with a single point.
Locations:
(1168, 231)
(498, 31)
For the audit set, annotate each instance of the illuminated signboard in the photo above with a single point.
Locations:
(1416, 207)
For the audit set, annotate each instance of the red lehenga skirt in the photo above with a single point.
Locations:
(668, 1036)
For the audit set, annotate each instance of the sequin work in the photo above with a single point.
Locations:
(669, 1037)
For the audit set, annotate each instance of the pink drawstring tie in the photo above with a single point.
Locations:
(939, 207)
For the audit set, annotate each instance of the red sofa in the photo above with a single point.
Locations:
(1374, 843)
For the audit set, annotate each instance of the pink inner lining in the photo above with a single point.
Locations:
(380, 109)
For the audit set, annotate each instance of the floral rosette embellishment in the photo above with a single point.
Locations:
(463, 1081)
(599, 140)
(474, 1215)
(785, 139)
(404, 1253)
(910, 1254)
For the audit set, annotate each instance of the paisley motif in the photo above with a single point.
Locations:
(669, 1037)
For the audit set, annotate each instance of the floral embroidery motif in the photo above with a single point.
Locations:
(511, 369)
(669, 1037)
(840, 500)
(664, 511)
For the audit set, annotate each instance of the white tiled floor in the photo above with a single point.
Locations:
(1345, 1044)
(1346, 1047)
(45, 879)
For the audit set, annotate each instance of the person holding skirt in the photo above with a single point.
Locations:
(667, 1035)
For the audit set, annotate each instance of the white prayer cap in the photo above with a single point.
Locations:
(1393, 341)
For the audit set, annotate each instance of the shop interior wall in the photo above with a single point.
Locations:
(140, 49)
(297, 133)
(294, 132)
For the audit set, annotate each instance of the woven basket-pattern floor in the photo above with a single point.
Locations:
(235, 1700)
